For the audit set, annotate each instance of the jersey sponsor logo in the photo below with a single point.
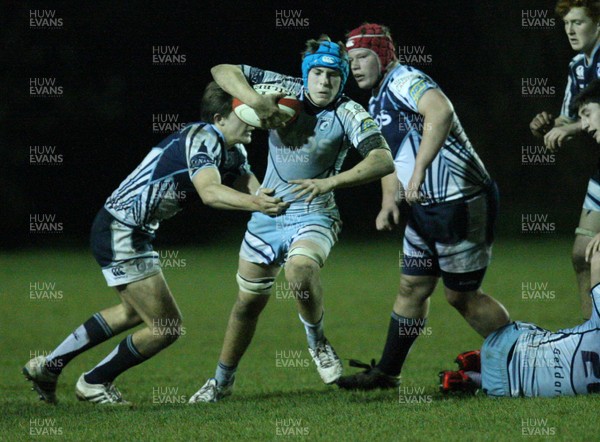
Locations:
(368, 124)
(580, 72)
(559, 375)
(417, 90)
(383, 119)
(201, 159)
(399, 82)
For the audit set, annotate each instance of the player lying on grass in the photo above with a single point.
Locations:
(582, 26)
(453, 202)
(194, 160)
(305, 158)
(522, 359)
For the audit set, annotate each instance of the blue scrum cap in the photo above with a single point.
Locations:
(329, 55)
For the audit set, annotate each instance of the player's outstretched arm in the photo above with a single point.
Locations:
(389, 215)
(232, 80)
(208, 185)
(375, 165)
(439, 116)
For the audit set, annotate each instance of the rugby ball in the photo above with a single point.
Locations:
(289, 104)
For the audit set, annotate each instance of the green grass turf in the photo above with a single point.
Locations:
(272, 401)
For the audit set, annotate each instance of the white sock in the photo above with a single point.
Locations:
(314, 332)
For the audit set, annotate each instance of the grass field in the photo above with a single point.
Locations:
(278, 392)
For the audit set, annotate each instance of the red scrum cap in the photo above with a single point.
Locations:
(375, 38)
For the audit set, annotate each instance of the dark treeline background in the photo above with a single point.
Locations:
(101, 56)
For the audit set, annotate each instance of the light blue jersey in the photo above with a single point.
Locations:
(522, 359)
(456, 172)
(314, 146)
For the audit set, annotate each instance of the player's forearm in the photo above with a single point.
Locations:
(390, 187)
(377, 164)
(572, 127)
(247, 184)
(232, 80)
(219, 196)
(253, 185)
(562, 120)
(437, 127)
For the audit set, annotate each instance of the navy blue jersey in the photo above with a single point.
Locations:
(580, 75)
(162, 183)
(456, 172)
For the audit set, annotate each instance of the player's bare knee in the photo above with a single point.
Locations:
(249, 307)
(130, 315)
(460, 300)
(300, 271)
(167, 329)
(169, 338)
(415, 288)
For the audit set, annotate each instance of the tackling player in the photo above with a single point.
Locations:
(582, 25)
(453, 202)
(305, 158)
(194, 160)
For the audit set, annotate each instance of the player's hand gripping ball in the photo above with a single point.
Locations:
(288, 104)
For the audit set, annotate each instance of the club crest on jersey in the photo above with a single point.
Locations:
(579, 71)
(324, 124)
